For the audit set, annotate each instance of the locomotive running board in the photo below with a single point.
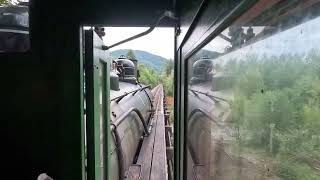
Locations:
(152, 160)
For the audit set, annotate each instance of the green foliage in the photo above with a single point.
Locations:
(168, 67)
(283, 92)
(167, 77)
(167, 82)
(3, 2)
(131, 55)
(148, 76)
(7, 2)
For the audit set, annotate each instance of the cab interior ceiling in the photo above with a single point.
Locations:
(263, 13)
(138, 13)
(125, 13)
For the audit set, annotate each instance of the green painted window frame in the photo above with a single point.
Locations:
(98, 149)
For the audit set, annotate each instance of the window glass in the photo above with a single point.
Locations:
(14, 29)
(254, 97)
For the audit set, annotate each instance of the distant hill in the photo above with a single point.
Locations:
(148, 59)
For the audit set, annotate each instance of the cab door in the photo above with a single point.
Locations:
(96, 73)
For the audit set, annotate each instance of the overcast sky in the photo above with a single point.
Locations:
(160, 41)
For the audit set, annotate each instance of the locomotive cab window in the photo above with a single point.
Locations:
(253, 96)
(136, 140)
(14, 28)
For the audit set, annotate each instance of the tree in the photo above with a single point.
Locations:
(5, 2)
(276, 111)
(168, 67)
(131, 55)
(148, 76)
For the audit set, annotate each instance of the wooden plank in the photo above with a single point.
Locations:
(146, 152)
(145, 155)
(159, 165)
(159, 160)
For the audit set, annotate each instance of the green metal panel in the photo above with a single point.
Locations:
(97, 105)
(107, 131)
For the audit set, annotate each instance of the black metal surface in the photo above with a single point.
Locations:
(110, 13)
(119, 149)
(150, 100)
(119, 120)
(129, 119)
(118, 98)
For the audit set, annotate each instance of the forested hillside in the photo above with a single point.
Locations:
(147, 59)
(276, 110)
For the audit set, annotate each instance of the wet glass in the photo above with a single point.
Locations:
(254, 97)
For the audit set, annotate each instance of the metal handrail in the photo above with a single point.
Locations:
(168, 14)
(209, 95)
(147, 95)
(120, 154)
(118, 98)
(123, 117)
(117, 138)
